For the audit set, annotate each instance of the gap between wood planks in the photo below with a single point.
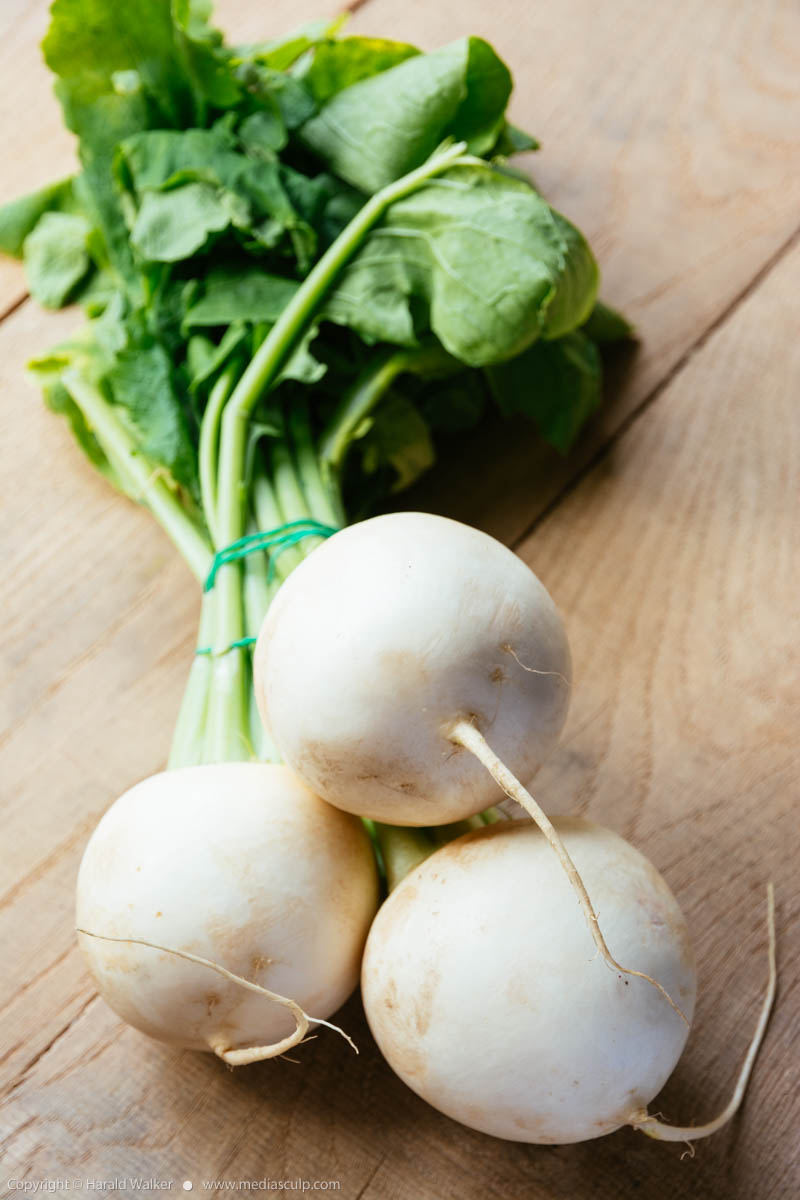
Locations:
(15, 304)
(23, 1073)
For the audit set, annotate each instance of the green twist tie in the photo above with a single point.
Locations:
(273, 542)
(242, 642)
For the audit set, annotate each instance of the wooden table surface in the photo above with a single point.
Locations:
(671, 135)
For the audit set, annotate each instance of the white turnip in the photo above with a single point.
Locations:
(239, 866)
(387, 636)
(482, 990)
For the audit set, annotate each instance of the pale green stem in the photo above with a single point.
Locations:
(269, 516)
(442, 834)
(143, 480)
(357, 402)
(288, 490)
(230, 698)
(228, 722)
(402, 849)
(209, 443)
(323, 497)
(287, 330)
(292, 506)
(187, 740)
(370, 386)
(258, 592)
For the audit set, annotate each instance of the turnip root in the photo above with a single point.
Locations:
(387, 636)
(208, 872)
(395, 654)
(483, 993)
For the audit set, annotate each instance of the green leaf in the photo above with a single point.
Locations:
(557, 384)
(240, 294)
(155, 159)
(141, 384)
(374, 294)
(397, 436)
(174, 225)
(606, 325)
(302, 366)
(341, 205)
(262, 183)
(257, 195)
(453, 405)
(280, 53)
(513, 141)
(56, 257)
(95, 48)
(59, 401)
(123, 68)
(292, 99)
(263, 133)
(91, 350)
(481, 115)
(208, 63)
(97, 291)
(117, 353)
(339, 64)
(204, 357)
(382, 127)
(19, 217)
(477, 257)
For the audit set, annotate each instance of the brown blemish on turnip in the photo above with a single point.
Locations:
(423, 1003)
(517, 993)
(123, 963)
(322, 764)
(408, 1059)
(394, 913)
(407, 671)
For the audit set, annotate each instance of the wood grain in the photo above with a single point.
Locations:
(36, 147)
(675, 561)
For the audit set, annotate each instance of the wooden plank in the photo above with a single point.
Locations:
(199, 1121)
(36, 147)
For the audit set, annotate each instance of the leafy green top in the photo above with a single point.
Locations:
(212, 180)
